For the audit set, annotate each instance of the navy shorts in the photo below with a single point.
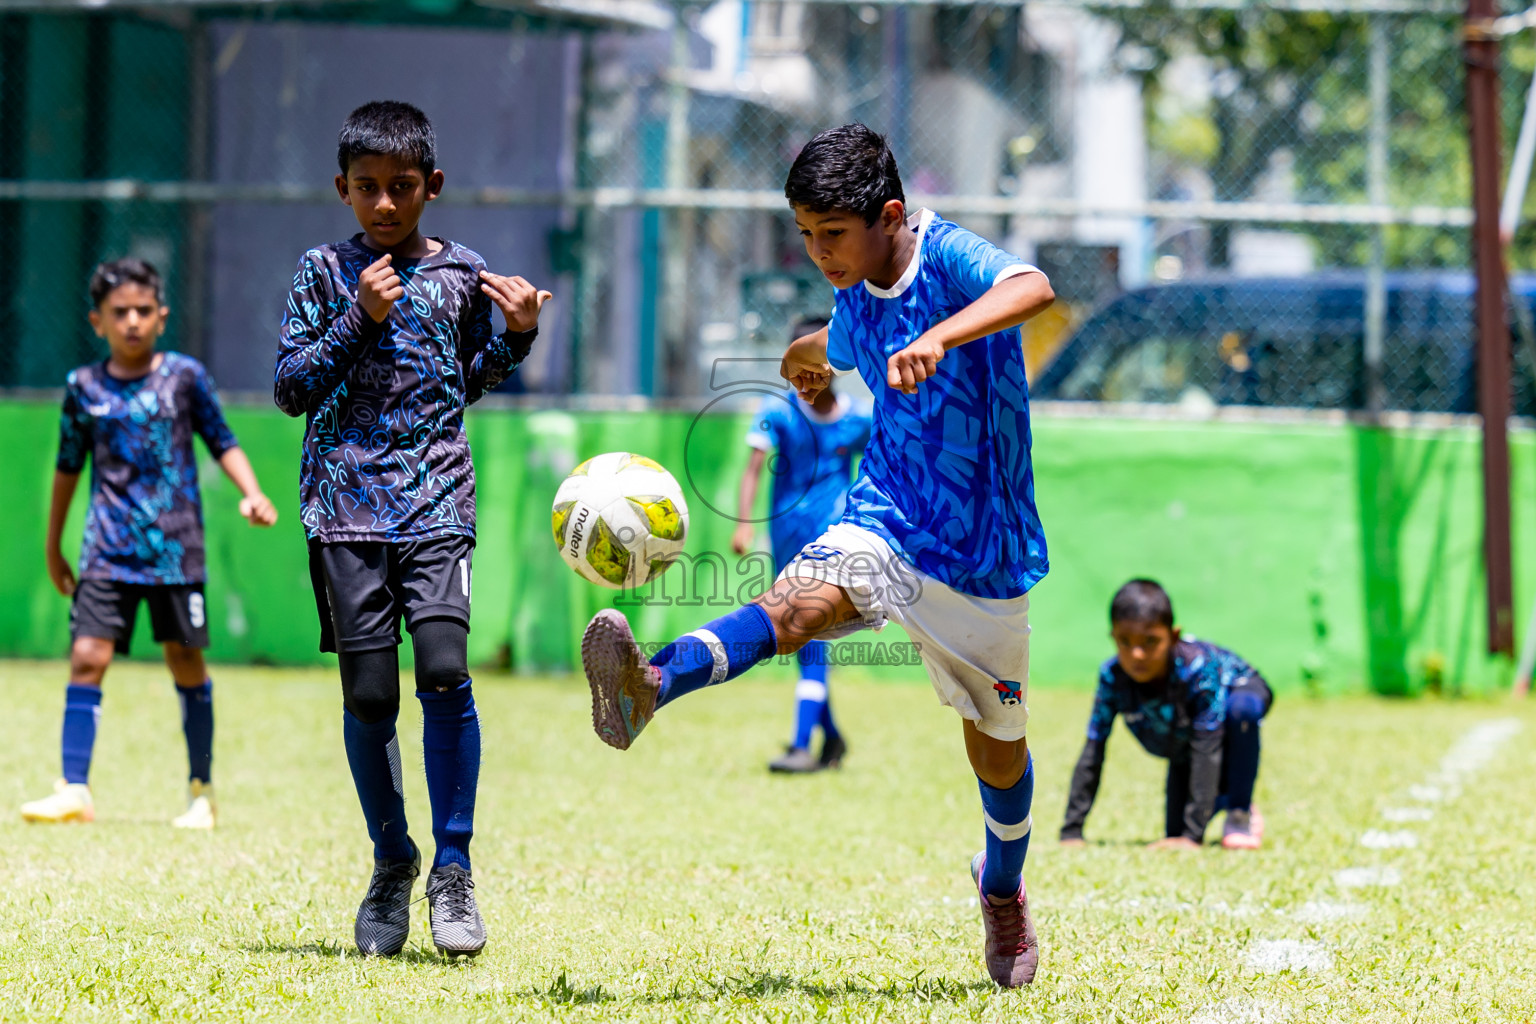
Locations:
(364, 588)
(107, 610)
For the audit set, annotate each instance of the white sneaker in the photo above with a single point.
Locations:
(200, 807)
(71, 801)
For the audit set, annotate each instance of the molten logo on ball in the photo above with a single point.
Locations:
(619, 520)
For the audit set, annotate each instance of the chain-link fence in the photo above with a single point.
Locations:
(1236, 203)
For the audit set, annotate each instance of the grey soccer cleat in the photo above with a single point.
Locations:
(384, 917)
(457, 928)
(796, 761)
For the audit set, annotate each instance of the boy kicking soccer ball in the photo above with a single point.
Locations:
(1194, 703)
(940, 533)
(812, 446)
(387, 338)
(133, 416)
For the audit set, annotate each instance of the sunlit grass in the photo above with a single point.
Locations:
(681, 881)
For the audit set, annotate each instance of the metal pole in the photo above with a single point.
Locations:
(1376, 182)
(1481, 53)
(679, 230)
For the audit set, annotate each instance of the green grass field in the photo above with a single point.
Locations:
(680, 881)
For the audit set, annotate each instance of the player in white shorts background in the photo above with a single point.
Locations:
(940, 531)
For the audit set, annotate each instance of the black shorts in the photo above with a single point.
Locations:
(107, 609)
(363, 588)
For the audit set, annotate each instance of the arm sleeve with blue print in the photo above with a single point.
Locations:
(208, 415)
(1208, 720)
(1090, 763)
(973, 265)
(766, 432)
(489, 358)
(839, 341)
(322, 336)
(75, 431)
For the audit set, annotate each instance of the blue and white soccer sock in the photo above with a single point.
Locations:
(197, 726)
(373, 754)
(450, 744)
(82, 710)
(722, 650)
(1007, 816)
(811, 705)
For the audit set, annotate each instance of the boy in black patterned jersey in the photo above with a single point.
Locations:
(133, 416)
(387, 338)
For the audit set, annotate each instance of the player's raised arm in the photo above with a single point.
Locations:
(1006, 304)
(805, 365)
(490, 359)
(315, 349)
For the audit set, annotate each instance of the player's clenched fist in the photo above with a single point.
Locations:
(906, 369)
(379, 288)
(518, 300)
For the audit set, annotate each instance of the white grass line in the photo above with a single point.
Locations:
(1271, 956)
(1403, 815)
(1380, 839)
(1322, 911)
(1434, 794)
(1362, 878)
(1240, 1010)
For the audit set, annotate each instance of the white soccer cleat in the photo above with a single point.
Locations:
(201, 811)
(71, 801)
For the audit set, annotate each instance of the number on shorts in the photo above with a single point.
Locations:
(195, 611)
(464, 575)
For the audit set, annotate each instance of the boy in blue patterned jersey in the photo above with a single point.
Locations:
(813, 446)
(133, 416)
(1193, 703)
(940, 531)
(387, 337)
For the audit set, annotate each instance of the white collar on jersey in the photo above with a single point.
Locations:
(837, 413)
(918, 222)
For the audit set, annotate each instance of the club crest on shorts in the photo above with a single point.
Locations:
(818, 553)
(1009, 692)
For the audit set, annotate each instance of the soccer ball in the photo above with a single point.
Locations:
(619, 520)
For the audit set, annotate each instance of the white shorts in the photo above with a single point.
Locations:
(976, 649)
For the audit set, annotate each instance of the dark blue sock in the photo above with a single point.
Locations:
(82, 710)
(197, 725)
(722, 650)
(1007, 816)
(450, 742)
(1240, 746)
(811, 692)
(373, 753)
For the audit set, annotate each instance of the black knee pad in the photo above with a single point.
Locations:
(442, 655)
(370, 684)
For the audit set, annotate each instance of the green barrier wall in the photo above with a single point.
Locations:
(1284, 542)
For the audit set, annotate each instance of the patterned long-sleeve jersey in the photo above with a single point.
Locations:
(145, 520)
(1181, 718)
(385, 456)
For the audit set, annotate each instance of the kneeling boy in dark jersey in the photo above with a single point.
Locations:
(1194, 703)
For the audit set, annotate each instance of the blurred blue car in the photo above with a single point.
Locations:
(1294, 342)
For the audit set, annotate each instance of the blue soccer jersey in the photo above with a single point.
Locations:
(946, 478)
(1164, 716)
(145, 520)
(811, 468)
(385, 456)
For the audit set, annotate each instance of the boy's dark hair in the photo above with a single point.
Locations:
(807, 325)
(849, 168)
(113, 273)
(387, 128)
(1141, 601)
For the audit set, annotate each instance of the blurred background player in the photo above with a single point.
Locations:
(940, 534)
(387, 492)
(809, 448)
(1193, 703)
(133, 416)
